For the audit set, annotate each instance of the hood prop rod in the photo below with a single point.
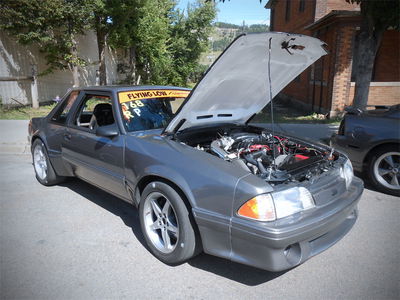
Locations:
(272, 107)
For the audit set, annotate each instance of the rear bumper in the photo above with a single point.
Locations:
(290, 242)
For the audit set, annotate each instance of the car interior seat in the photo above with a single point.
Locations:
(102, 115)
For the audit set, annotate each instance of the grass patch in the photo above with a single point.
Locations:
(24, 112)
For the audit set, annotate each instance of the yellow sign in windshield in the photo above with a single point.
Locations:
(146, 94)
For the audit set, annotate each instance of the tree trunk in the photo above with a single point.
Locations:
(132, 64)
(75, 75)
(101, 45)
(367, 42)
(72, 64)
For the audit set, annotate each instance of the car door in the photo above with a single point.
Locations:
(56, 130)
(96, 159)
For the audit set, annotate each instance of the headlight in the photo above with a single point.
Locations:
(346, 172)
(269, 207)
(291, 201)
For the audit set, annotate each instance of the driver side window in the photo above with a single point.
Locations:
(95, 111)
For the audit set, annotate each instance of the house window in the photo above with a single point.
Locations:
(302, 5)
(287, 13)
(318, 71)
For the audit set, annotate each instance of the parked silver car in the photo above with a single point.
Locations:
(203, 178)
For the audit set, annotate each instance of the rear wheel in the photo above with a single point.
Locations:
(44, 171)
(384, 169)
(166, 225)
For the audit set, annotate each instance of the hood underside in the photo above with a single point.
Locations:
(237, 86)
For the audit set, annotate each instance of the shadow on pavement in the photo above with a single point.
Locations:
(129, 214)
(234, 271)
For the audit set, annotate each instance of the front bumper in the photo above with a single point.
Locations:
(289, 242)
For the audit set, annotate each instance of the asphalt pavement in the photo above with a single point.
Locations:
(13, 136)
(73, 241)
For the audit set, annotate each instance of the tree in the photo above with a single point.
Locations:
(52, 25)
(189, 39)
(141, 28)
(114, 22)
(151, 35)
(153, 32)
(101, 26)
(257, 28)
(377, 17)
(164, 44)
(124, 17)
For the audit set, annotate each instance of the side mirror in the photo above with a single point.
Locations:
(107, 130)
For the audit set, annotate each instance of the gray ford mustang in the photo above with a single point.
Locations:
(202, 177)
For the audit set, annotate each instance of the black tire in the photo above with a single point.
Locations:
(385, 159)
(44, 171)
(182, 245)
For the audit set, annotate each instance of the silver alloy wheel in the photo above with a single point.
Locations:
(161, 223)
(40, 162)
(387, 170)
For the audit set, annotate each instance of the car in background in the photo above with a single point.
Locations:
(371, 139)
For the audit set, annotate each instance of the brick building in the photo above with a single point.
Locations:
(328, 86)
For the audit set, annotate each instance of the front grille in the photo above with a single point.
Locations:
(326, 190)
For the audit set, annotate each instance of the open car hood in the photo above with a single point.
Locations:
(236, 86)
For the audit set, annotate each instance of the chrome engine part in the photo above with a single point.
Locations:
(275, 158)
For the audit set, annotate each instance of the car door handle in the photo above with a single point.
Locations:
(67, 136)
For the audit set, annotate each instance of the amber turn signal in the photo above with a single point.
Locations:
(259, 208)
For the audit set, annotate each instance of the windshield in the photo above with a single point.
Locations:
(149, 109)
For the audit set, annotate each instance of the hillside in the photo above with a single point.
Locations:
(223, 34)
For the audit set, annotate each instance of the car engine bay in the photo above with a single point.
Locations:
(274, 158)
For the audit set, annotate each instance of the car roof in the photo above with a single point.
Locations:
(121, 88)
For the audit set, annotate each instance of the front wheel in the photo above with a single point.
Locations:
(384, 169)
(44, 171)
(166, 224)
